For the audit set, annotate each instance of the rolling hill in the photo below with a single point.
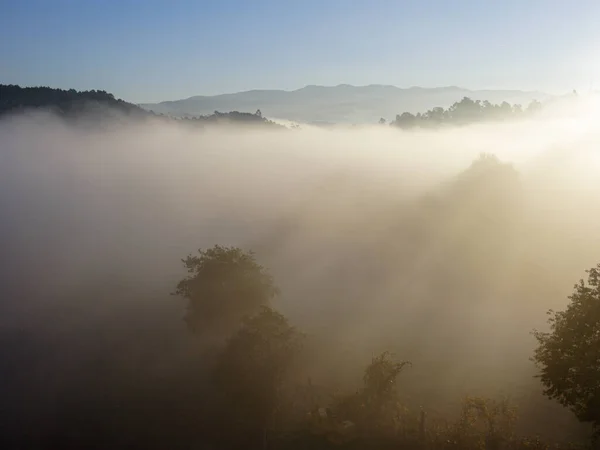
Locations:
(339, 104)
(100, 106)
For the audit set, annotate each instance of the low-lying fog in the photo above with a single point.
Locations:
(379, 240)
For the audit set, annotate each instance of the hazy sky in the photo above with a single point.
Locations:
(151, 50)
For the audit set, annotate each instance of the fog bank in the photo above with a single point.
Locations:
(379, 239)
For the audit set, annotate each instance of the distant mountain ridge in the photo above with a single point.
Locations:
(343, 103)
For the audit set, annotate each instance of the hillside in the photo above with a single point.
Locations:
(68, 104)
(98, 105)
(340, 104)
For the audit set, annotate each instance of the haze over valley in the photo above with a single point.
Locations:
(354, 266)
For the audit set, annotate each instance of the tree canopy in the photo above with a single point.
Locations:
(68, 103)
(251, 371)
(225, 285)
(463, 112)
(568, 355)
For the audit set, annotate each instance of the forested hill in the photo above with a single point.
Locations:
(101, 105)
(71, 103)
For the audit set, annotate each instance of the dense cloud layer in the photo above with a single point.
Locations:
(379, 239)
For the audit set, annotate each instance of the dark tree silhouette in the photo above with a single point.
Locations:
(375, 409)
(69, 103)
(464, 112)
(250, 373)
(225, 285)
(99, 105)
(568, 355)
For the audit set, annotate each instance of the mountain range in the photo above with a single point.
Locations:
(339, 104)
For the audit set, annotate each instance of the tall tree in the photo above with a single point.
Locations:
(568, 355)
(225, 285)
(251, 372)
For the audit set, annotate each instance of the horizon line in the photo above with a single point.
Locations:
(414, 87)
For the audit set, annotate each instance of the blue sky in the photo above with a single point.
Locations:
(150, 50)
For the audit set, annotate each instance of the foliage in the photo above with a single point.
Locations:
(375, 408)
(568, 355)
(232, 117)
(225, 285)
(251, 371)
(464, 112)
(69, 103)
(380, 378)
(381, 406)
(484, 422)
(374, 414)
(488, 187)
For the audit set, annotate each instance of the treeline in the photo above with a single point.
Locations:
(464, 112)
(68, 103)
(98, 105)
(232, 117)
